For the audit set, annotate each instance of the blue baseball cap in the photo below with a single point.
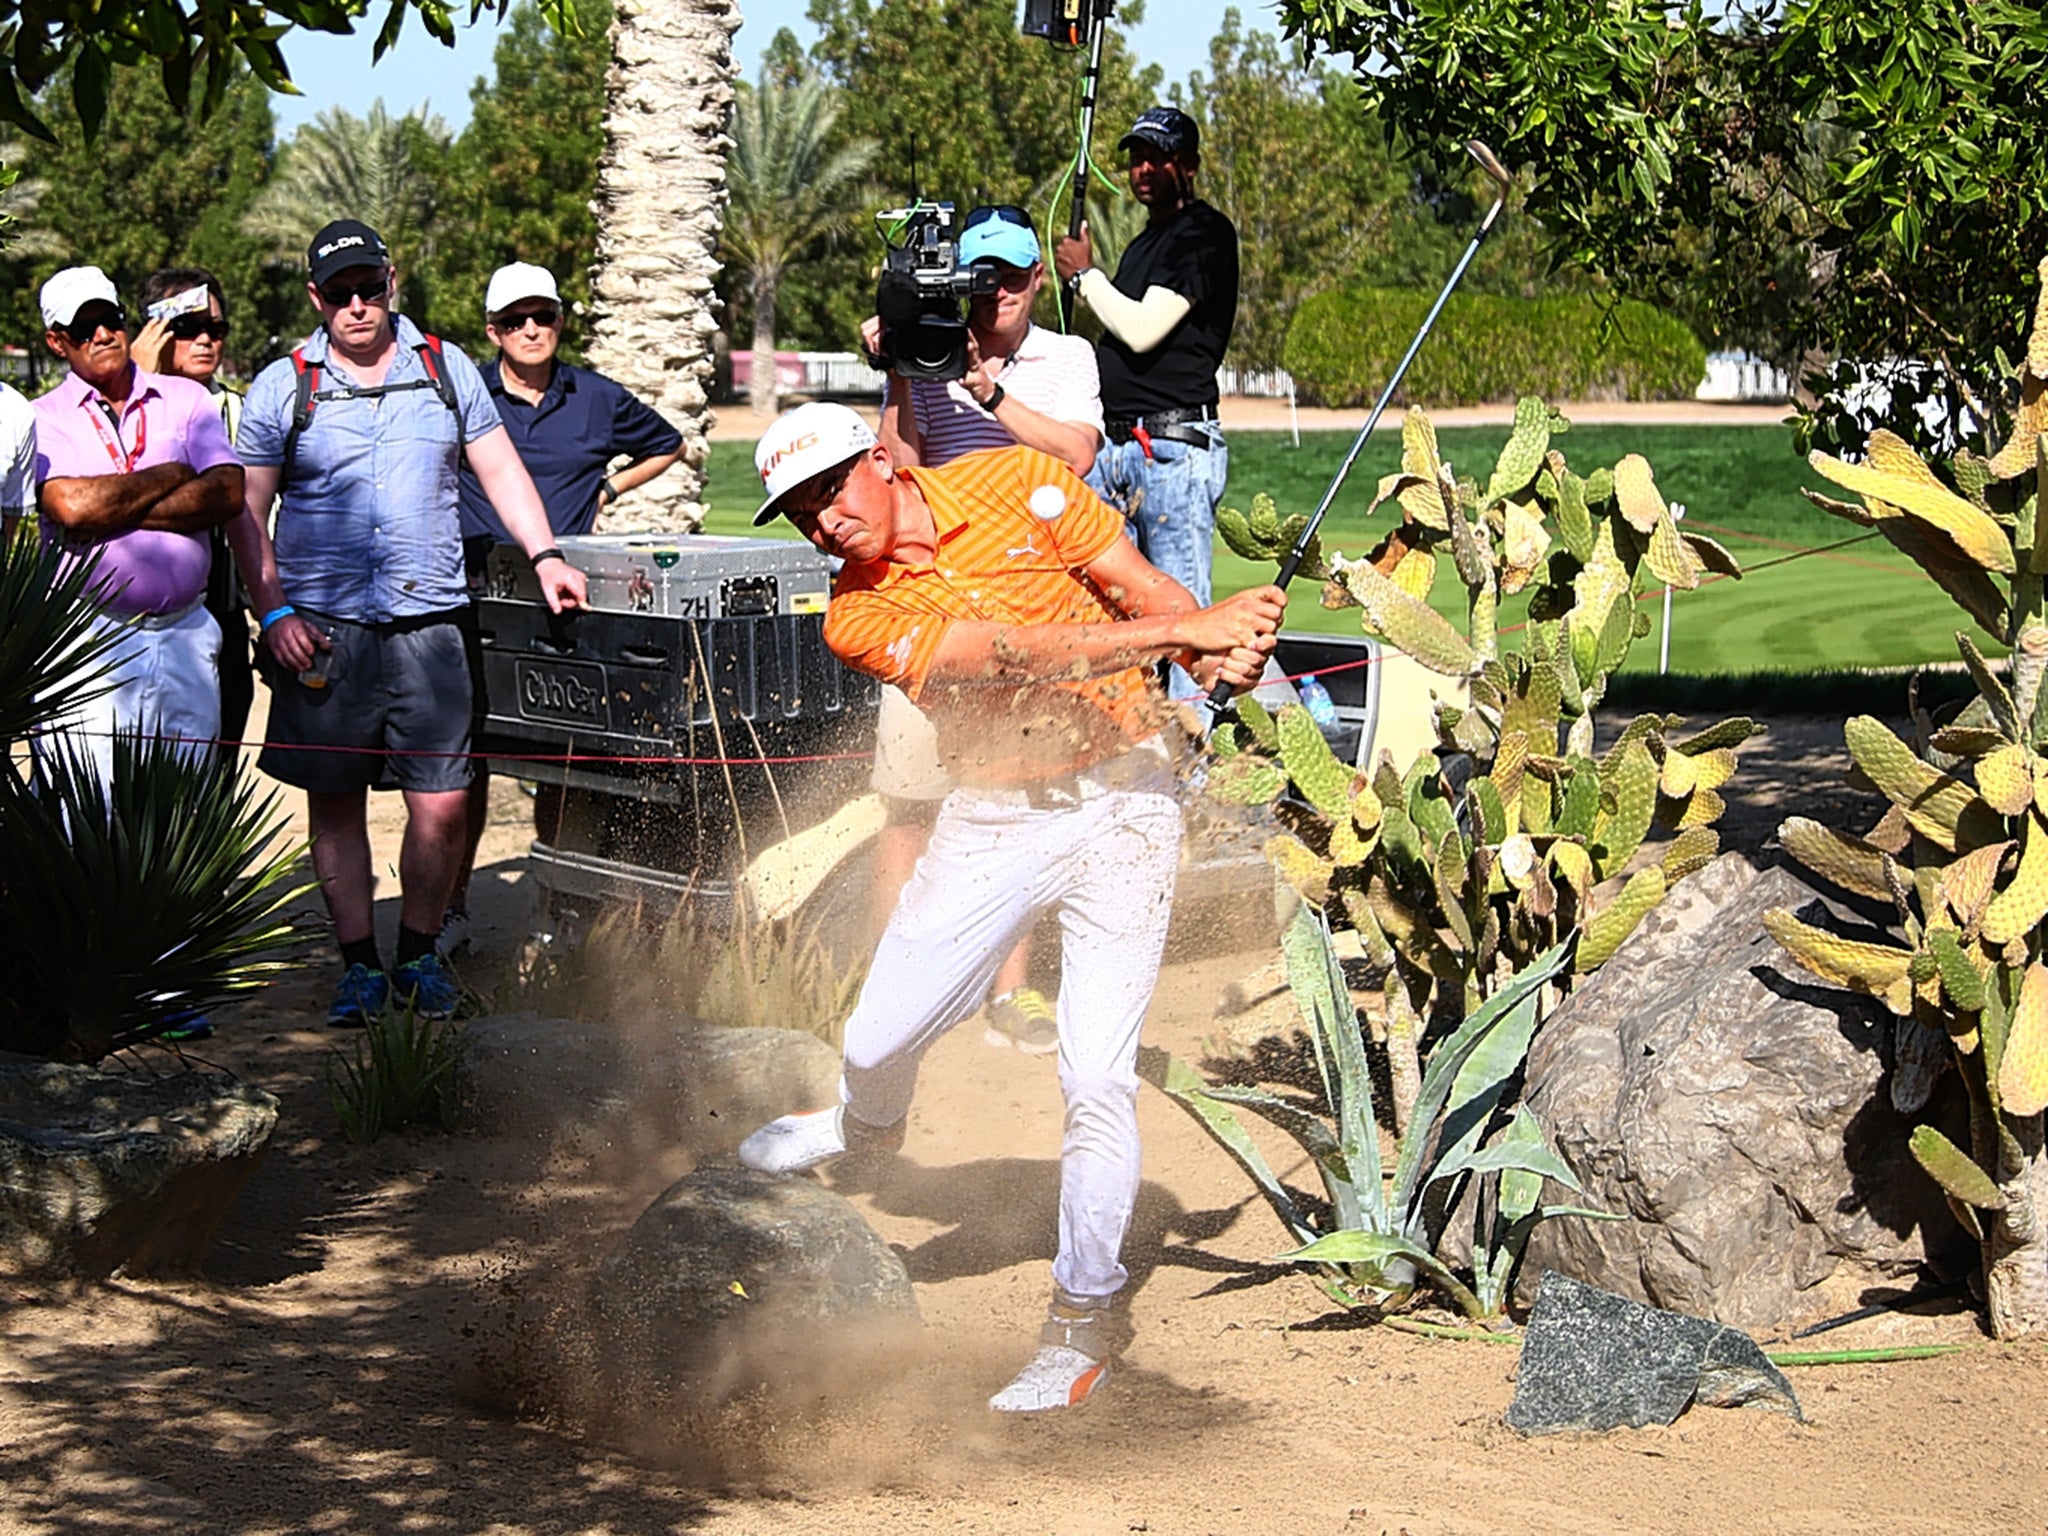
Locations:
(995, 238)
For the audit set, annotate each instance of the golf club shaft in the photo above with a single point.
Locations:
(1221, 694)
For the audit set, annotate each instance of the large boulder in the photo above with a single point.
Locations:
(735, 1280)
(662, 1081)
(1735, 1110)
(103, 1171)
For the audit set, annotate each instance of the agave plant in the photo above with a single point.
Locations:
(1375, 1241)
(1961, 856)
(53, 651)
(1459, 873)
(127, 899)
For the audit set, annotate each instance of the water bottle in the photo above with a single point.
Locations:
(1315, 698)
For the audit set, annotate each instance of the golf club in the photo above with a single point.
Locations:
(1222, 692)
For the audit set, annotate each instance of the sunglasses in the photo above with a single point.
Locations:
(192, 327)
(518, 320)
(371, 291)
(85, 326)
(819, 492)
(1010, 279)
(1009, 213)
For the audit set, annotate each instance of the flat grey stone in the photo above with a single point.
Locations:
(1593, 1360)
(1737, 1111)
(103, 1171)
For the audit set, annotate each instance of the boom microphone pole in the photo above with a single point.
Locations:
(1222, 692)
(1070, 24)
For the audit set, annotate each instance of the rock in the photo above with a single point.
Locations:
(735, 1279)
(103, 1171)
(661, 1081)
(1735, 1108)
(1593, 1360)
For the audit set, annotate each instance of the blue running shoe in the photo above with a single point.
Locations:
(185, 1024)
(428, 986)
(360, 998)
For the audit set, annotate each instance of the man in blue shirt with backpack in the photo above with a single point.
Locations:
(359, 436)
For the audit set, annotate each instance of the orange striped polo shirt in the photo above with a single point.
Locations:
(1015, 529)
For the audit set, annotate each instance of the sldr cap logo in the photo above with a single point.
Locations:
(340, 242)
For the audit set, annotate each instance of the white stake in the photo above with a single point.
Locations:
(1664, 636)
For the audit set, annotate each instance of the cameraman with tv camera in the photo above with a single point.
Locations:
(1017, 383)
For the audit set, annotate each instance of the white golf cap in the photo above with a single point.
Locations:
(521, 280)
(71, 290)
(805, 442)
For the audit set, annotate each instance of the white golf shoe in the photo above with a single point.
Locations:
(795, 1143)
(1058, 1376)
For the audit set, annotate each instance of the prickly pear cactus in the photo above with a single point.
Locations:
(1962, 855)
(1452, 889)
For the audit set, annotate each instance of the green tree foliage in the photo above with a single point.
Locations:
(793, 184)
(199, 49)
(343, 166)
(1829, 179)
(156, 188)
(1285, 154)
(517, 184)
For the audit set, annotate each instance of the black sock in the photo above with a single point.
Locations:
(414, 945)
(361, 952)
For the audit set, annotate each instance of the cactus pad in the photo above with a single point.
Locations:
(1878, 970)
(1246, 780)
(2006, 780)
(1894, 474)
(2023, 1070)
(1940, 806)
(1301, 867)
(1323, 781)
(1953, 1170)
(1614, 922)
(1635, 493)
(1836, 857)
(2024, 901)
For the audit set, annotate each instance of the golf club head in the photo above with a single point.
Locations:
(1489, 162)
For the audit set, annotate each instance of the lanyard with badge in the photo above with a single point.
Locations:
(124, 462)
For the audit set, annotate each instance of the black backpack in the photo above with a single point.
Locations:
(309, 392)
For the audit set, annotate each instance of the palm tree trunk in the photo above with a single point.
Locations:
(660, 199)
(764, 393)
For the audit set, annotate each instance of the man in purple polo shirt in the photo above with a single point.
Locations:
(137, 466)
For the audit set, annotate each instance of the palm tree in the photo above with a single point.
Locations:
(660, 192)
(344, 166)
(790, 190)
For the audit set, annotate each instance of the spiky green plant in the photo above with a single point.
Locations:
(1457, 882)
(125, 899)
(53, 651)
(1375, 1241)
(1962, 854)
(400, 1073)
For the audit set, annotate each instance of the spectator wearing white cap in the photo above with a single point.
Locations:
(570, 425)
(1024, 385)
(136, 466)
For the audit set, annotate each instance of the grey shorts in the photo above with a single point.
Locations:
(395, 713)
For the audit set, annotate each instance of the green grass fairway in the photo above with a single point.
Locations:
(1862, 606)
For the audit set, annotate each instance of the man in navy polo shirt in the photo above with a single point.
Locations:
(568, 424)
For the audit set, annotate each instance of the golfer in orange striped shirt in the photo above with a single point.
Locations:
(1002, 595)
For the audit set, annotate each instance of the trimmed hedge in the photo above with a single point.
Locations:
(1343, 344)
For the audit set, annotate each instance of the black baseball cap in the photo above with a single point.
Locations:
(343, 244)
(1166, 128)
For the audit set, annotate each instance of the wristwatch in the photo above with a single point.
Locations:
(995, 398)
(611, 492)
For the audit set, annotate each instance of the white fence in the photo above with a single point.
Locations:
(1738, 376)
(846, 375)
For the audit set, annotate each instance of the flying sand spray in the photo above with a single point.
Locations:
(1222, 692)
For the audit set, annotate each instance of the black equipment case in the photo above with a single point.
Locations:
(696, 703)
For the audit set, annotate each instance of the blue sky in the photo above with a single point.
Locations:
(336, 71)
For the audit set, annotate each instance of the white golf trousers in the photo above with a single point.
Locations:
(1107, 865)
(165, 681)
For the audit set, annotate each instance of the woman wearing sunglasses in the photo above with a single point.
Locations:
(193, 345)
(1025, 385)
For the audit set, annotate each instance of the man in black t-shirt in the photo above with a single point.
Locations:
(1166, 320)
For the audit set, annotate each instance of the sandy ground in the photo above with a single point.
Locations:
(317, 1378)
